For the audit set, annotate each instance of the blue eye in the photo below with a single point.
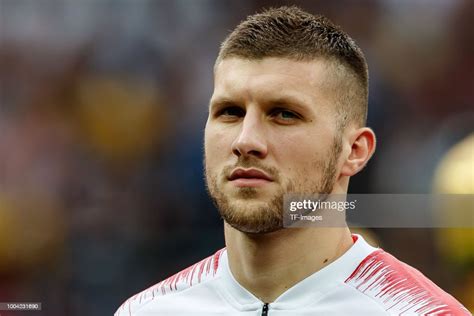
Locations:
(284, 115)
(287, 115)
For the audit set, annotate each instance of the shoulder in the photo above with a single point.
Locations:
(399, 288)
(199, 273)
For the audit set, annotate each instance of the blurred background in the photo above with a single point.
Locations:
(102, 110)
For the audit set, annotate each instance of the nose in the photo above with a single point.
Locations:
(251, 139)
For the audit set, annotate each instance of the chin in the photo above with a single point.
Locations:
(253, 228)
(253, 217)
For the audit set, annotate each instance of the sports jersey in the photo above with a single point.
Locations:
(363, 281)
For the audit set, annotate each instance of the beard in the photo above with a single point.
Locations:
(251, 215)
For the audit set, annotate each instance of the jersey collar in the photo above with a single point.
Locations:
(307, 291)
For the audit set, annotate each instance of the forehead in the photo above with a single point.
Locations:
(243, 78)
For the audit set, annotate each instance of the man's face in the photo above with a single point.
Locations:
(271, 130)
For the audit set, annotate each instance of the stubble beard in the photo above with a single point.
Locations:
(251, 216)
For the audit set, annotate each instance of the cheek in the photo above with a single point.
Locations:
(217, 145)
(299, 153)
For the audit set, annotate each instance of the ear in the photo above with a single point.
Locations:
(362, 143)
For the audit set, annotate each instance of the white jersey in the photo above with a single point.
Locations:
(363, 281)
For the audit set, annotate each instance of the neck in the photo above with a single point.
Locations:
(269, 264)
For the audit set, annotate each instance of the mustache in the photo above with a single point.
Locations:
(247, 163)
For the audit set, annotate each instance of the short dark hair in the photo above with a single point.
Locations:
(289, 32)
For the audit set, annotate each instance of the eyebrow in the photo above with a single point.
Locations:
(221, 102)
(289, 100)
(285, 100)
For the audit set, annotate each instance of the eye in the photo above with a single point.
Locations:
(285, 116)
(230, 113)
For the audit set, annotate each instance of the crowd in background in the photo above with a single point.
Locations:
(102, 110)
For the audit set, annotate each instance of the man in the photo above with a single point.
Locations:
(288, 115)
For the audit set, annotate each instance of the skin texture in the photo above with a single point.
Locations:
(278, 116)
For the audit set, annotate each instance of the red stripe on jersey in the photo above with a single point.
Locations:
(179, 281)
(401, 288)
(188, 276)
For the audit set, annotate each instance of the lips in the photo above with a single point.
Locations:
(249, 174)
